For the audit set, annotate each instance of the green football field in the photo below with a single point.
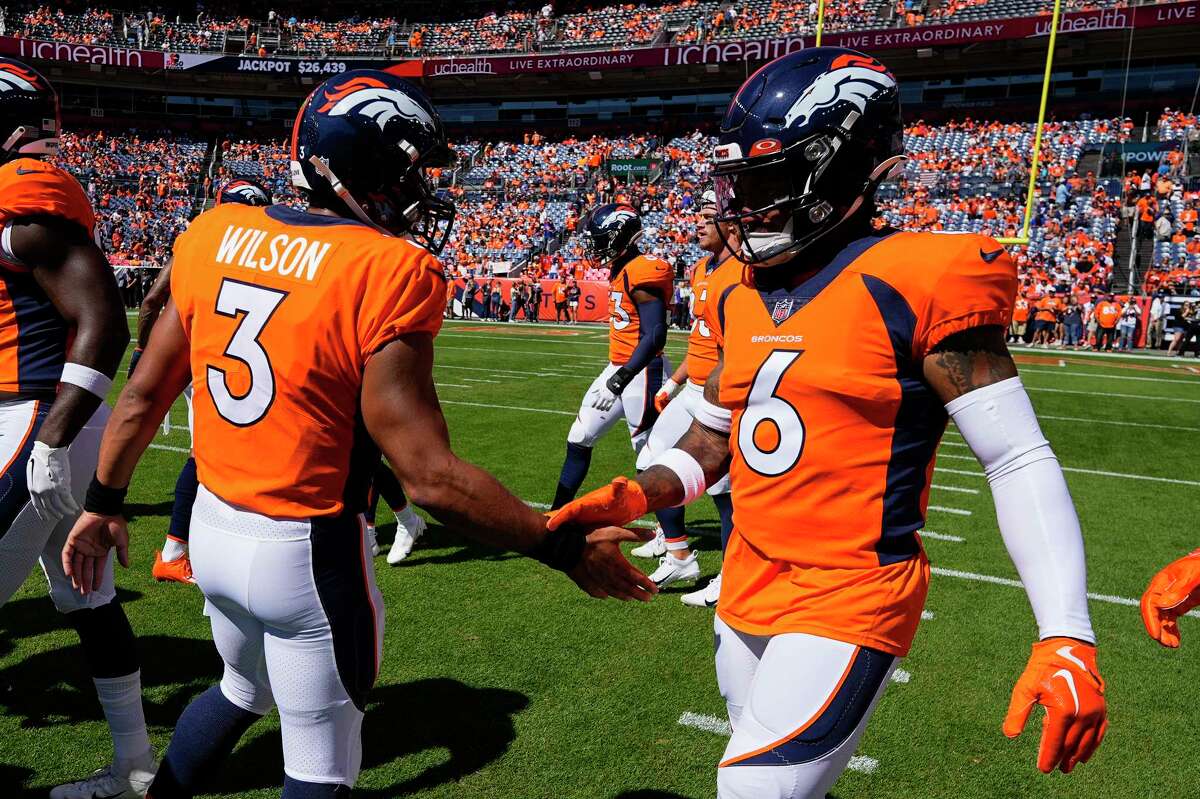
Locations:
(501, 679)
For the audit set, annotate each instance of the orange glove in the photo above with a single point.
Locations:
(615, 505)
(1062, 677)
(1173, 592)
(664, 395)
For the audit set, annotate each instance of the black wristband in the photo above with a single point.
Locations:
(560, 549)
(620, 378)
(104, 501)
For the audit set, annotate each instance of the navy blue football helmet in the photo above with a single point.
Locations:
(804, 145)
(360, 146)
(243, 192)
(610, 231)
(29, 112)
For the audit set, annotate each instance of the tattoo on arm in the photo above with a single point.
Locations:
(965, 361)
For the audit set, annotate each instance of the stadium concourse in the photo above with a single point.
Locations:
(546, 29)
(520, 202)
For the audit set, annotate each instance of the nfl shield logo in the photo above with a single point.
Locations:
(783, 309)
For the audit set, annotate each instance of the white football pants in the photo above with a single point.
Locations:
(298, 621)
(798, 705)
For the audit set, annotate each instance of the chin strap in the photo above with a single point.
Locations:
(344, 194)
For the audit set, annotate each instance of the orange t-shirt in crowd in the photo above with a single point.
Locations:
(644, 272)
(1047, 309)
(1021, 310)
(832, 445)
(1107, 314)
(283, 310)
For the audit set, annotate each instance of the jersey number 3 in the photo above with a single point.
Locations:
(771, 432)
(253, 306)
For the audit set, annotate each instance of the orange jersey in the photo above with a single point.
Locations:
(709, 280)
(283, 309)
(1107, 314)
(835, 430)
(1047, 310)
(644, 272)
(1021, 310)
(33, 335)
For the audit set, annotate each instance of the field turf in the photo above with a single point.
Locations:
(500, 679)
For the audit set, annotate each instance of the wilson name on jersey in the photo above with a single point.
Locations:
(33, 335)
(835, 431)
(283, 309)
(644, 272)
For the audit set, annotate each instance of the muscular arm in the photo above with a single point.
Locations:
(153, 303)
(77, 278)
(968, 360)
(403, 416)
(709, 447)
(162, 374)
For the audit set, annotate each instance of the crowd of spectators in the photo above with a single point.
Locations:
(143, 187)
(615, 25)
(520, 203)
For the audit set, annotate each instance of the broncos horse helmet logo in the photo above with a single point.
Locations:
(246, 192)
(13, 78)
(851, 78)
(376, 101)
(618, 217)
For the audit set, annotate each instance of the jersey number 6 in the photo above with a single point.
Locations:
(255, 305)
(765, 408)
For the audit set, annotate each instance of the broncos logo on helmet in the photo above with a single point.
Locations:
(28, 112)
(853, 84)
(243, 192)
(376, 101)
(610, 231)
(14, 77)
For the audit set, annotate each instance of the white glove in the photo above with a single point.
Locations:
(48, 476)
(604, 399)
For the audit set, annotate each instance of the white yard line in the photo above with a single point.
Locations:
(1077, 470)
(1165, 426)
(508, 407)
(988, 578)
(574, 355)
(478, 380)
(941, 536)
(169, 448)
(1112, 394)
(450, 385)
(960, 490)
(927, 615)
(953, 444)
(1060, 373)
(719, 726)
(955, 511)
(901, 677)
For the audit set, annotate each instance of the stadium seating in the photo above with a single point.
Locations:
(520, 202)
(616, 25)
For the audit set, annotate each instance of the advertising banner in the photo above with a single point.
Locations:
(718, 52)
(1150, 152)
(593, 300)
(634, 167)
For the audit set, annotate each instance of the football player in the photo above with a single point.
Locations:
(639, 289)
(1173, 592)
(710, 276)
(843, 353)
(308, 338)
(172, 563)
(62, 334)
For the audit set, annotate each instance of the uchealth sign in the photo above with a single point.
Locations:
(721, 52)
(105, 55)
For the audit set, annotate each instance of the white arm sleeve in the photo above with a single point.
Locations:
(1033, 506)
